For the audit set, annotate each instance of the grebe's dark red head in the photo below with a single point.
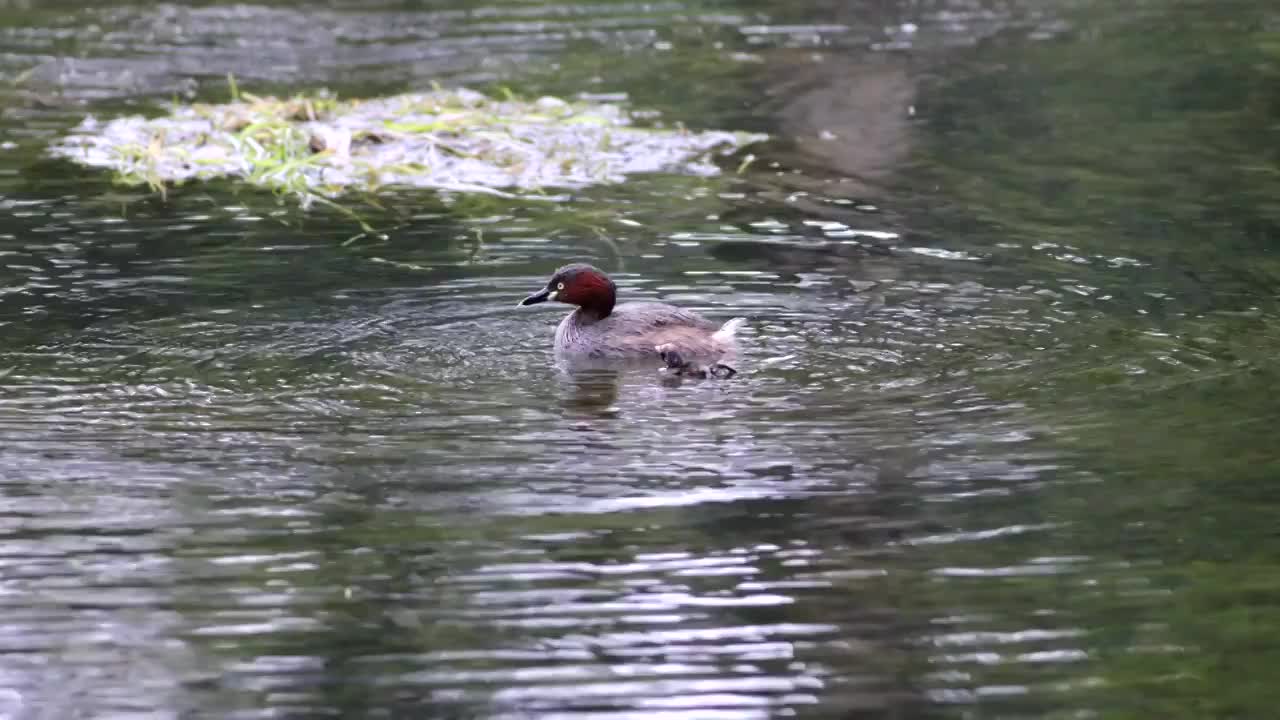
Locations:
(579, 284)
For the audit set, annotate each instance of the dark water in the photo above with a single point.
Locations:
(1002, 447)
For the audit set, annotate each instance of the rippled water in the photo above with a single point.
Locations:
(999, 448)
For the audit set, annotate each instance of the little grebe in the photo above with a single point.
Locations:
(601, 330)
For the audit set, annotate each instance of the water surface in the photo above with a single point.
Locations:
(1000, 448)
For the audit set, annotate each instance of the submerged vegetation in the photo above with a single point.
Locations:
(317, 146)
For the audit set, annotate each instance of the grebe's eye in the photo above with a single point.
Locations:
(559, 286)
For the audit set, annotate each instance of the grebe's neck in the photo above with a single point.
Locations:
(595, 297)
(590, 316)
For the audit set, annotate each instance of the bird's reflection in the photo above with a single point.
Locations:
(594, 389)
(590, 390)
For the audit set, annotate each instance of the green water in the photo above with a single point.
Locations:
(1001, 446)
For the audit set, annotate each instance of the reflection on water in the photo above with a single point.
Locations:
(387, 490)
(253, 466)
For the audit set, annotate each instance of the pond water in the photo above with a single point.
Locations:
(1001, 447)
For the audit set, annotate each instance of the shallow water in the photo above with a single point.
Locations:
(1000, 447)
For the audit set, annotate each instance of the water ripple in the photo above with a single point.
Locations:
(253, 466)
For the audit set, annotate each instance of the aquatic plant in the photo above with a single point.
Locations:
(317, 146)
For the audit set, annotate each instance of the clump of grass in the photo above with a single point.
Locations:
(315, 145)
